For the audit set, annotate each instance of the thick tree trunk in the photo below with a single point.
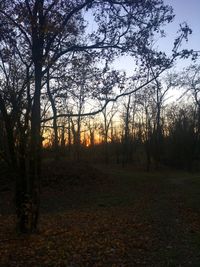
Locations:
(36, 142)
(22, 187)
(28, 185)
(28, 212)
(9, 134)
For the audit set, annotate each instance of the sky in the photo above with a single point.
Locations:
(185, 11)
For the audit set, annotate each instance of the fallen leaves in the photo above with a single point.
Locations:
(95, 238)
(120, 221)
(192, 218)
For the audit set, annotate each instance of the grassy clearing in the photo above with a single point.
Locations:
(116, 217)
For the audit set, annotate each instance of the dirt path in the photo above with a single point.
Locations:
(175, 239)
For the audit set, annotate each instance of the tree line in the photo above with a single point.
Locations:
(147, 129)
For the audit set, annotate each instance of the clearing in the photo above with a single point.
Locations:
(108, 216)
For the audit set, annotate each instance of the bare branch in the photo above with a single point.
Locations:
(92, 113)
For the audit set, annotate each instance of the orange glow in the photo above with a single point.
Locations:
(47, 138)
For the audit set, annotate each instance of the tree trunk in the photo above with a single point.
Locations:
(28, 190)
(53, 106)
(78, 138)
(62, 143)
(126, 143)
(28, 212)
(69, 141)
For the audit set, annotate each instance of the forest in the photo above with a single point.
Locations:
(99, 165)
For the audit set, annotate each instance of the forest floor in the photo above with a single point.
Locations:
(107, 216)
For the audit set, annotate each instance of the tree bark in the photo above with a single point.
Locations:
(28, 188)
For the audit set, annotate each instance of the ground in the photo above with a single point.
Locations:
(108, 216)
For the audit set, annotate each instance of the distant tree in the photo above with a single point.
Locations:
(145, 124)
(181, 137)
(79, 84)
(107, 82)
(189, 82)
(128, 124)
(161, 88)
